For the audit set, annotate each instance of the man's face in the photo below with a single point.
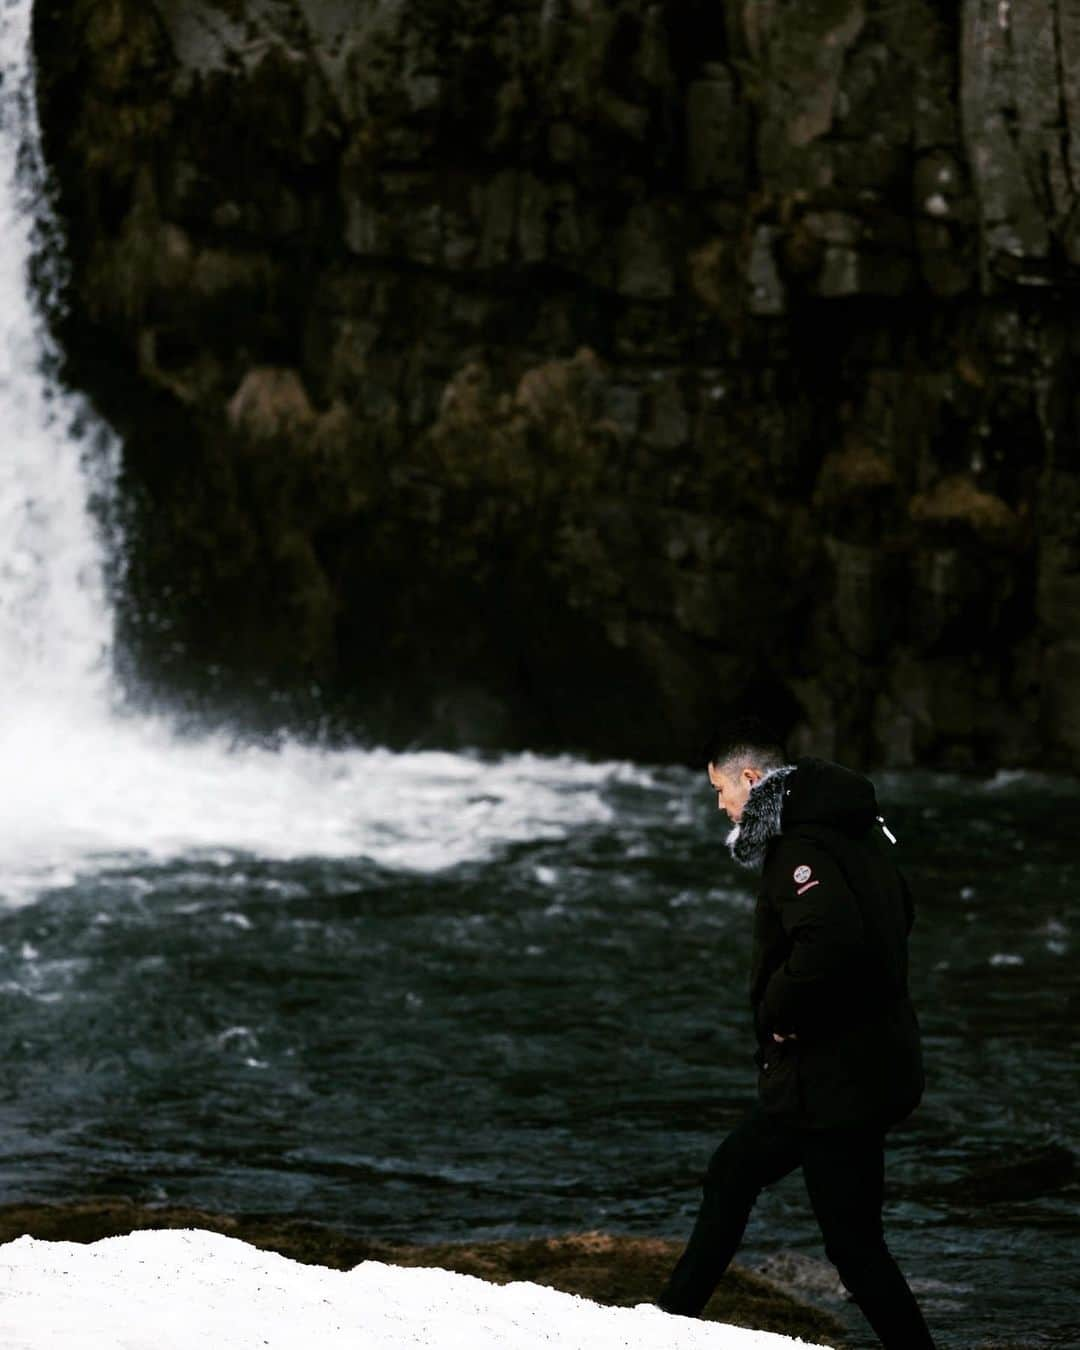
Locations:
(732, 786)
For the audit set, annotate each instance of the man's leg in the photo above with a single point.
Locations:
(756, 1153)
(844, 1172)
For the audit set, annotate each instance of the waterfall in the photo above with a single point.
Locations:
(84, 789)
(55, 623)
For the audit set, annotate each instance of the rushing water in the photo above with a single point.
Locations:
(547, 1038)
(433, 995)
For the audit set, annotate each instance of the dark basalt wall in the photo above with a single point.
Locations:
(564, 372)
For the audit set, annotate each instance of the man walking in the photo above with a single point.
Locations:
(838, 1042)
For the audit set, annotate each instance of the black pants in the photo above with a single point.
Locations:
(844, 1171)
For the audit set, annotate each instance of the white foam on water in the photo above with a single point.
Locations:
(81, 786)
(93, 794)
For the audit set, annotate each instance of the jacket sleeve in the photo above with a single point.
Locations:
(822, 922)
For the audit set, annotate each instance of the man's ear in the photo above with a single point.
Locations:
(752, 776)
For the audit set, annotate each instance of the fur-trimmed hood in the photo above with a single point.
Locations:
(810, 790)
(762, 818)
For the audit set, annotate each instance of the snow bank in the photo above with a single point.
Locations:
(183, 1288)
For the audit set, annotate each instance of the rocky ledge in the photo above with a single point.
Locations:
(559, 372)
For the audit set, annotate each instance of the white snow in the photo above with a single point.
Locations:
(183, 1288)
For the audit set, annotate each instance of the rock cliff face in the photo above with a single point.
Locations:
(563, 372)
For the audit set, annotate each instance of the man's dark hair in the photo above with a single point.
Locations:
(746, 738)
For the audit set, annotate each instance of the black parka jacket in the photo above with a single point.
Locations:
(829, 966)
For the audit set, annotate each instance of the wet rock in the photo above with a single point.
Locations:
(765, 289)
(956, 504)
(1015, 83)
(644, 268)
(861, 601)
(716, 127)
(796, 1270)
(1009, 1180)
(1061, 691)
(938, 186)
(270, 404)
(806, 51)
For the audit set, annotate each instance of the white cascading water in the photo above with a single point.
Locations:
(55, 627)
(83, 789)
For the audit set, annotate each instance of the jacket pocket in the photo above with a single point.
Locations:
(779, 1088)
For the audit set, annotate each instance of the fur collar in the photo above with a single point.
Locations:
(761, 818)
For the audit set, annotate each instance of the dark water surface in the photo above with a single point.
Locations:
(552, 1040)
